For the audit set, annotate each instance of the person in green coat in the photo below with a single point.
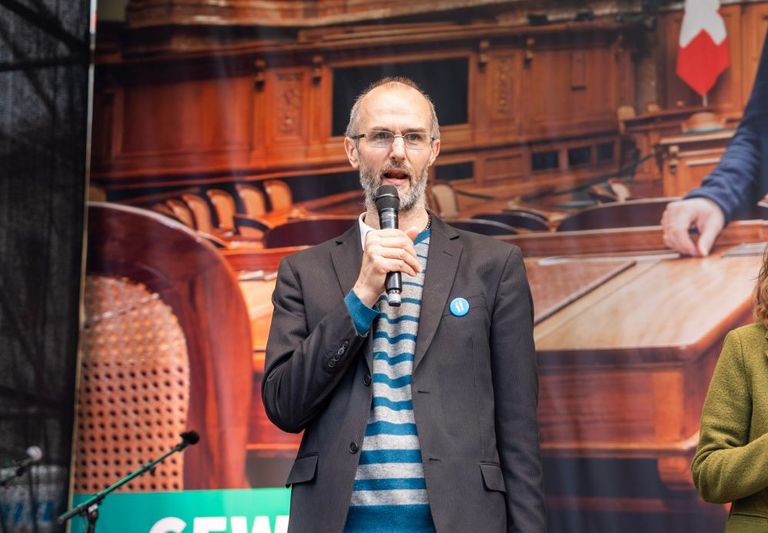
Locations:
(731, 460)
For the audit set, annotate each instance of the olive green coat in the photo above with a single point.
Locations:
(731, 461)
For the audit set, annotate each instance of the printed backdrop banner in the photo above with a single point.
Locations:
(218, 150)
(195, 511)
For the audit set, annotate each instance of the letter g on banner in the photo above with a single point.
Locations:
(169, 524)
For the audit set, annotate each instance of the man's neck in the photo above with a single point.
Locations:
(416, 217)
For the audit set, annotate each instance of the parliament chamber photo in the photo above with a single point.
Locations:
(216, 149)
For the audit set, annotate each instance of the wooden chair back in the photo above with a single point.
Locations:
(632, 213)
(517, 219)
(307, 232)
(280, 195)
(445, 198)
(154, 352)
(163, 209)
(252, 200)
(181, 211)
(224, 205)
(201, 212)
(484, 227)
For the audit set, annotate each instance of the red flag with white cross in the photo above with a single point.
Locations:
(703, 53)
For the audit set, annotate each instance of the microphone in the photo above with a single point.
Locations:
(188, 438)
(34, 454)
(387, 203)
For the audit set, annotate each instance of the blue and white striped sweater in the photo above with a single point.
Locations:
(389, 493)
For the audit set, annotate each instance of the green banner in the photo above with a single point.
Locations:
(204, 511)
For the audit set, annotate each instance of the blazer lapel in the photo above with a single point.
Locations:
(347, 256)
(442, 261)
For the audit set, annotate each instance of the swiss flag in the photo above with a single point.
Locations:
(703, 53)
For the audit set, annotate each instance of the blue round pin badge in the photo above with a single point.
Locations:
(459, 307)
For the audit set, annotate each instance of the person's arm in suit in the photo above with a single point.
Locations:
(726, 466)
(303, 367)
(729, 189)
(515, 383)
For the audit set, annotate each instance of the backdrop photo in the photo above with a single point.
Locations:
(566, 129)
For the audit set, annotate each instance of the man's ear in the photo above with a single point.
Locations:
(353, 155)
(435, 151)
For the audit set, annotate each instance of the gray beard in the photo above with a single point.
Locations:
(413, 197)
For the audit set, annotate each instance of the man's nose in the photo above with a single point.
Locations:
(397, 151)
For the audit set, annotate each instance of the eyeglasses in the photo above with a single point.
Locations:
(413, 140)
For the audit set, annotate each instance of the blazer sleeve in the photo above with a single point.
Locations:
(726, 466)
(303, 366)
(515, 383)
(736, 184)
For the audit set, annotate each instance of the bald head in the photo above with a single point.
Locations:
(389, 84)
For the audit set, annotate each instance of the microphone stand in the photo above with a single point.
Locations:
(32, 500)
(2, 522)
(89, 509)
(18, 472)
(4, 482)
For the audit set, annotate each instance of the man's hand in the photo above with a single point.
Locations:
(701, 213)
(386, 250)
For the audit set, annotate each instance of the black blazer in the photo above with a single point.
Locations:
(474, 384)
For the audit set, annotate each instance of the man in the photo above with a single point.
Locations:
(420, 417)
(738, 182)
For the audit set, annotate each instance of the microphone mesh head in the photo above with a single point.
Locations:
(35, 453)
(190, 437)
(387, 198)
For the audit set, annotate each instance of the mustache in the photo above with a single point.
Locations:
(399, 167)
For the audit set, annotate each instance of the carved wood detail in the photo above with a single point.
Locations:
(289, 106)
(503, 88)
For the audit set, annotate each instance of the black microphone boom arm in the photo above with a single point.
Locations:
(89, 509)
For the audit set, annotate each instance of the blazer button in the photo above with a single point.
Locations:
(367, 380)
(353, 447)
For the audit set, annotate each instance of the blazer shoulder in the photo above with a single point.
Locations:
(747, 344)
(751, 338)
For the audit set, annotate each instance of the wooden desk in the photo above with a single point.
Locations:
(624, 368)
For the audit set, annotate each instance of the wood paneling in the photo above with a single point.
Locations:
(210, 109)
(570, 87)
(688, 158)
(198, 113)
(291, 13)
